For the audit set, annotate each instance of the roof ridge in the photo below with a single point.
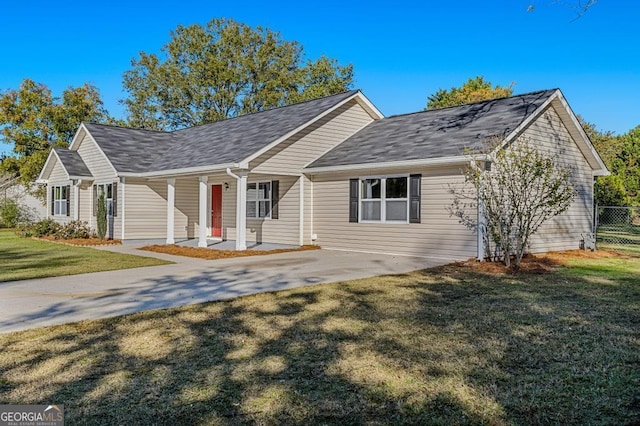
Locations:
(125, 127)
(471, 103)
(354, 91)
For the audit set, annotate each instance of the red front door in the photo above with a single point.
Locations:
(216, 210)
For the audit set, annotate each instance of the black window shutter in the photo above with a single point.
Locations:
(53, 200)
(95, 199)
(275, 197)
(114, 194)
(68, 195)
(353, 199)
(414, 198)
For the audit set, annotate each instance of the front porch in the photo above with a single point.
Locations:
(237, 211)
(216, 244)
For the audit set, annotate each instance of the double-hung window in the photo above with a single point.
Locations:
(109, 190)
(60, 200)
(384, 199)
(259, 200)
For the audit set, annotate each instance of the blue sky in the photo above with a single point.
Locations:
(401, 51)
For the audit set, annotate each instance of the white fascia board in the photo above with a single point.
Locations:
(584, 139)
(458, 159)
(185, 171)
(602, 171)
(87, 178)
(303, 126)
(46, 164)
(77, 138)
(368, 104)
(516, 132)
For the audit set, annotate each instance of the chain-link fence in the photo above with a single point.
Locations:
(618, 226)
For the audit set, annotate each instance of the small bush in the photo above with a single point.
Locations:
(75, 229)
(46, 227)
(51, 228)
(13, 214)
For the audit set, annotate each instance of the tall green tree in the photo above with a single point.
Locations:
(621, 155)
(32, 120)
(473, 90)
(626, 163)
(224, 69)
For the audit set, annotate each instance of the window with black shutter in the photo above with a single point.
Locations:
(414, 198)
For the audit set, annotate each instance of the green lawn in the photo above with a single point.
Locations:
(25, 258)
(442, 346)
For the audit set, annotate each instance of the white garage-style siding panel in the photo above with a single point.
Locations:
(438, 235)
(565, 231)
(295, 153)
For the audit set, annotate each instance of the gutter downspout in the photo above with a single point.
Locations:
(241, 209)
(480, 230)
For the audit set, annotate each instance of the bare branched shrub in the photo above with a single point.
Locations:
(509, 201)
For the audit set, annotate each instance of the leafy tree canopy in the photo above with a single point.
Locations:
(474, 90)
(621, 154)
(32, 120)
(224, 69)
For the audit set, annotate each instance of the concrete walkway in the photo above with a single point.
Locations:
(39, 302)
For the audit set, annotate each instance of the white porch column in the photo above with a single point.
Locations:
(171, 202)
(301, 218)
(76, 201)
(480, 222)
(49, 201)
(241, 212)
(202, 210)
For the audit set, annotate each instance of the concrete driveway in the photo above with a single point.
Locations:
(39, 302)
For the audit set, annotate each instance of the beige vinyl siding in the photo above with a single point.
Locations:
(95, 160)
(284, 230)
(102, 172)
(296, 152)
(186, 208)
(563, 232)
(146, 209)
(58, 177)
(85, 213)
(437, 236)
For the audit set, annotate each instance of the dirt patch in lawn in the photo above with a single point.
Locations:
(81, 241)
(212, 254)
(538, 263)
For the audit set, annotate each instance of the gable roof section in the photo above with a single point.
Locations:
(226, 142)
(71, 162)
(130, 150)
(435, 135)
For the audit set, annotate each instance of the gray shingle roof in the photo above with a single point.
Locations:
(222, 142)
(72, 162)
(131, 150)
(438, 133)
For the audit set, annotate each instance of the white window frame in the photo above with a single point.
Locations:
(383, 198)
(108, 201)
(259, 198)
(60, 204)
